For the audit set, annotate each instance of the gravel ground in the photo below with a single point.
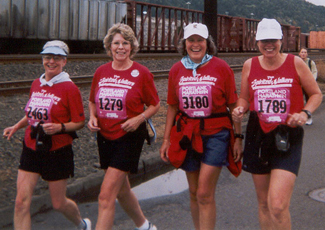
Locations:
(86, 157)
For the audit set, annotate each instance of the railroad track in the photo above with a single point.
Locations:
(23, 86)
(32, 58)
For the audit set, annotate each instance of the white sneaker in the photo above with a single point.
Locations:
(309, 121)
(88, 224)
(151, 227)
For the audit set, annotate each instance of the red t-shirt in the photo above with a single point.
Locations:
(209, 92)
(120, 95)
(60, 103)
(274, 94)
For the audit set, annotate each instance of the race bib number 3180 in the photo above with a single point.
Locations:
(272, 105)
(196, 100)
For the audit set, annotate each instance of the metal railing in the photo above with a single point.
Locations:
(159, 28)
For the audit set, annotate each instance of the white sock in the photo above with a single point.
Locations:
(82, 225)
(145, 226)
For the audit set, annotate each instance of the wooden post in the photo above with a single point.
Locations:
(210, 18)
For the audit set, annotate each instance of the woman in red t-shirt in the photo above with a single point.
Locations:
(271, 88)
(120, 90)
(53, 113)
(201, 90)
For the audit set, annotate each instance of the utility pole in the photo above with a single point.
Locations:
(210, 18)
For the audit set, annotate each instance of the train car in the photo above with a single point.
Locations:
(317, 40)
(26, 23)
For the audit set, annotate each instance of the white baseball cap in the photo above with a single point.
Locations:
(56, 47)
(268, 29)
(196, 28)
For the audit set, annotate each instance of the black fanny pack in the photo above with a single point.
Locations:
(282, 138)
(43, 141)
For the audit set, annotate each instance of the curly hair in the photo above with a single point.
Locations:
(211, 47)
(126, 32)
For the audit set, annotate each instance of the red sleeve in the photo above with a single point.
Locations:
(76, 105)
(150, 93)
(171, 95)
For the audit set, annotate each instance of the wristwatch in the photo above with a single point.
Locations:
(307, 112)
(238, 135)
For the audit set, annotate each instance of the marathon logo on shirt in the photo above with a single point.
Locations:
(205, 79)
(194, 90)
(44, 94)
(272, 82)
(116, 81)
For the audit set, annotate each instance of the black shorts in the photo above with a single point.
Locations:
(261, 157)
(124, 152)
(52, 166)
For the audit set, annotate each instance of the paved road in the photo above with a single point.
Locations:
(236, 202)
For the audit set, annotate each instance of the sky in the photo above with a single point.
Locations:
(317, 2)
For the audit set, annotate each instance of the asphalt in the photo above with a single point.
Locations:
(236, 201)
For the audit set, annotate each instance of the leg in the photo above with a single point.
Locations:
(261, 182)
(63, 204)
(208, 179)
(193, 178)
(111, 186)
(130, 204)
(26, 182)
(280, 192)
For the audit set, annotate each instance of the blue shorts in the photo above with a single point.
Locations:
(215, 151)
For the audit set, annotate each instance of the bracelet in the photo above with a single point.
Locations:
(238, 135)
(62, 128)
(144, 116)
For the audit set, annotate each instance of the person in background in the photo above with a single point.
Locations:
(312, 66)
(52, 115)
(201, 90)
(271, 89)
(120, 90)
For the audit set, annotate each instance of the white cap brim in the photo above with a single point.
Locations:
(196, 29)
(54, 50)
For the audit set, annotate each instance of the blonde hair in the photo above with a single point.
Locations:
(126, 32)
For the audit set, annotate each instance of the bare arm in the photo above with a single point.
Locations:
(133, 123)
(9, 131)
(53, 128)
(238, 147)
(93, 122)
(171, 114)
(242, 103)
(310, 86)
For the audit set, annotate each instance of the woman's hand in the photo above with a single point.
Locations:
(93, 124)
(164, 150)
(238, 114)
(132, 124)
(238, 150)
(9, 132)
(297, 119)
(51, 128)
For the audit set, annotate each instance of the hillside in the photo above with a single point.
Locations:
(295, 12)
